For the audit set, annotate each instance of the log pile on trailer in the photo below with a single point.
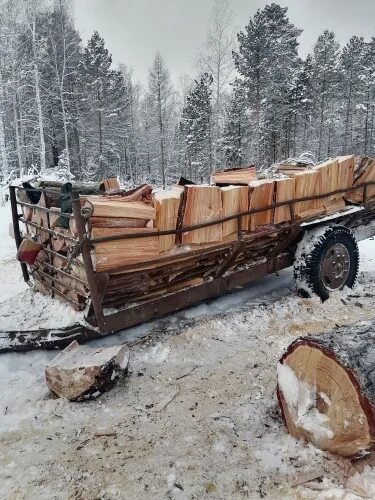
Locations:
(144, 243)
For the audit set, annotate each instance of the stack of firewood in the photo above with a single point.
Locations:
(114, 212)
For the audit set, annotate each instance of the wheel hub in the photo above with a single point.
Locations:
(335, 267)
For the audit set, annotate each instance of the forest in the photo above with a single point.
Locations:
(251, 100)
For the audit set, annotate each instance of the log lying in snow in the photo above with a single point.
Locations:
(202, 204)
(80, 372)
(326, 389)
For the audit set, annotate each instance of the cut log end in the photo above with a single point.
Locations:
(322, 401)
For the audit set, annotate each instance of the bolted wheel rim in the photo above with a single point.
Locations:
(335, 267)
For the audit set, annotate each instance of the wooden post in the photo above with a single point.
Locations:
(16, 227)
(86, 255)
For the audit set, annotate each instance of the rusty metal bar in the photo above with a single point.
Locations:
(64, 257)
(16, 227)
(53, 278)
(86, 255)
(45, 209)
(49, 231)
(48, 285)
(61, 271)
(155, 308)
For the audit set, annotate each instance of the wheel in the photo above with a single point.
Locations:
(327, 260)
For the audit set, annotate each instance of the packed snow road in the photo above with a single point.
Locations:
(197, 418)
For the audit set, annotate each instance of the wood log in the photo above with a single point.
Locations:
(202, 204)
(241, 176)
(111, 185)
(167, 205)
(306, 184)
(261, 195)
(80, 372)
(59, 243)
(28, 251)
(284, 191)
(104, 207)
(117, 222)
(235, 199)
(326, 389)
(327, 181)
(112, 254)
(365, 172)
(346, 171)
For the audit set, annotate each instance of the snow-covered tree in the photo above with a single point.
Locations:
(196, 128)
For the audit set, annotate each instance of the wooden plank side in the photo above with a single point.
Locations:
(203, 204)
(261, 195)
(284, 191)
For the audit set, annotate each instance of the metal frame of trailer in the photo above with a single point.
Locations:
(224, 276)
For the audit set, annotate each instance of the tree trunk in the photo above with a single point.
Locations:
(326, 389)
(161, 130)
(38, 101)
(3, 151)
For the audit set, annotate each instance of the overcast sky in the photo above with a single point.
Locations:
(135, 29)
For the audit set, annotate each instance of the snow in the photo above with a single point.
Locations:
(199, 406)
(300, 399)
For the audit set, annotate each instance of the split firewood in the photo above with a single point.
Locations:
(235, 176)
(120, 207)
(202, 204)
(59, 243)
(112, 254)
(80, 372)
(110, 185)
(117, 222)
(328, 182)
(167, 205)
(306, 184)
(284, 191)
(235, 199)
(365, 172)
(261, 195)
(326, 389)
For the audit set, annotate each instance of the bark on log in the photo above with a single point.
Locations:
(81, 372)
(326, 389)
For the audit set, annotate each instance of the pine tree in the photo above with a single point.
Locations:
(353, 91)
(103, 102)
(326, 82)
(266, 59)
(160, 97)
(196, 127)
(236, 129)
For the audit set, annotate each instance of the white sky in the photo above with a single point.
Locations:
(135, 29)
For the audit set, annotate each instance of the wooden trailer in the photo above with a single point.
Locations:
(175, 278)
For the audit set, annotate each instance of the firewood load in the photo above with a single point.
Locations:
(110, 212)
(326, 389)
(80, 372)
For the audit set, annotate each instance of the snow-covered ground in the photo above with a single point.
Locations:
(197, 418)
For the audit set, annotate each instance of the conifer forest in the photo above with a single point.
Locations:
(251, 99)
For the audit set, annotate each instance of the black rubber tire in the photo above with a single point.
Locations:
(310, 254)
